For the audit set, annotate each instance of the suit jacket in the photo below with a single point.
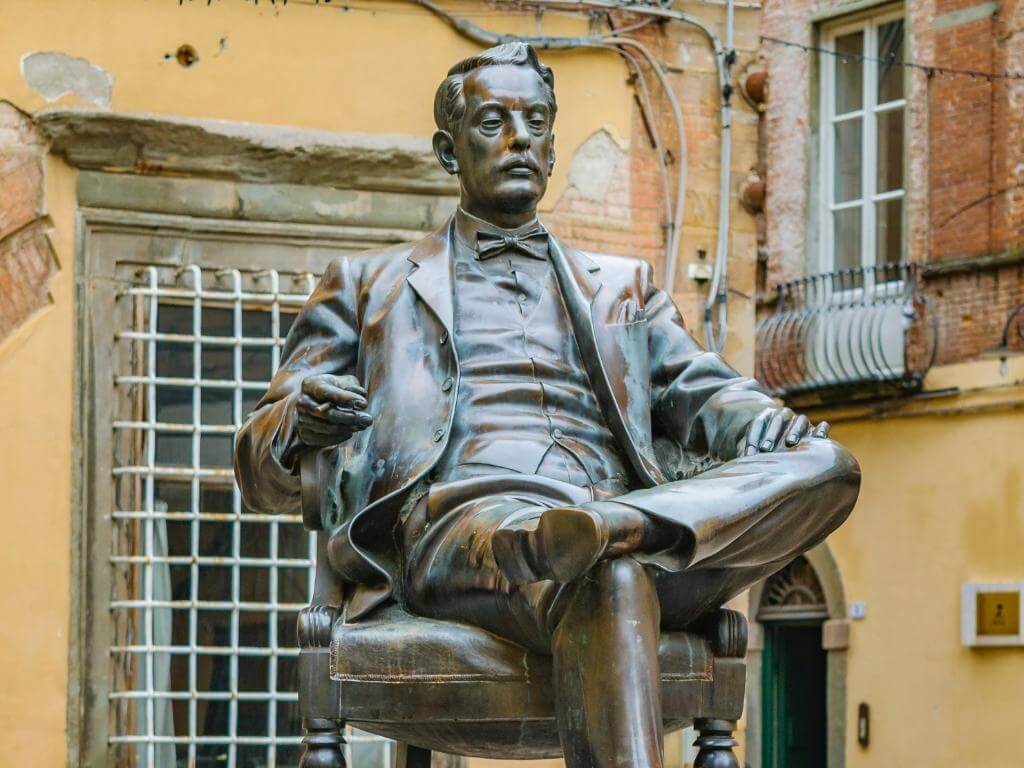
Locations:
(386, 318)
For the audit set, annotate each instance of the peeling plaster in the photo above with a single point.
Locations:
(53, 75)
(593, 165)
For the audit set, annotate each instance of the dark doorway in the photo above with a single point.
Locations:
(793, 695)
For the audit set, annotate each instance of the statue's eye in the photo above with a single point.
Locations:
(491, 124)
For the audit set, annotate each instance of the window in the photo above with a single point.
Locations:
(862, 137)
(191, 654)
(205, 593)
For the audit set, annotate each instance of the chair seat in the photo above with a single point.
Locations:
(460, 689)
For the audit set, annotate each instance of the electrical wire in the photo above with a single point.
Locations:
(929, 69)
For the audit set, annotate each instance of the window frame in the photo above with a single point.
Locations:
(869, 198)
(146, 240)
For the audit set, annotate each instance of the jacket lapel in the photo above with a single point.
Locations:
(603, 356)
(432, 278)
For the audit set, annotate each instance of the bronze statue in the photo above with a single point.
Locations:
(530, 440)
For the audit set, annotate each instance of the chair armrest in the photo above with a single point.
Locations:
(318, 694)
(315, 622)
(726, 632)
(311, 484)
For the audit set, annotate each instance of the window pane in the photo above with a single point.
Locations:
(849, 72)
(889, 233)
(218, 321)
(174, 318)
(890, 54)
(847, 238)
(847, 160)
(890, 151)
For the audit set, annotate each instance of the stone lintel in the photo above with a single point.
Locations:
(177, 146)
(245, 201)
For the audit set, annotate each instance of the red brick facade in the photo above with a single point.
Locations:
(965, 163)
(26, 258)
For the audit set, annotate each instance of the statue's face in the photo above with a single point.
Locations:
(504, 147)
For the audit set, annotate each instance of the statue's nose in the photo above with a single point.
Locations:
(520, 133)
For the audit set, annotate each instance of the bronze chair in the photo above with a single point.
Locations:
(455, 688)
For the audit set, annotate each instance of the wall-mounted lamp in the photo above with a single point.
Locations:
(863, 724)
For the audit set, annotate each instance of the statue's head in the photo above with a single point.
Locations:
(495, 113)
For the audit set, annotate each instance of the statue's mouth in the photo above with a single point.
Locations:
(519, 168)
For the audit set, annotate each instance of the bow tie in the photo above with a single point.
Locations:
(533, 243)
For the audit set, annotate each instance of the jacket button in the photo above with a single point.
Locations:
(438, 434)
(557, 434)
(444, 338)
(448, 383)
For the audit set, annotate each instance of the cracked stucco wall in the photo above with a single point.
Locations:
(53, 75)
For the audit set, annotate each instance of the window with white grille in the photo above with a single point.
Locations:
(206, 593)
(192, 652)
(862, 142)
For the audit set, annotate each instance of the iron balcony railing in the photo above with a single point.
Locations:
(853, 333)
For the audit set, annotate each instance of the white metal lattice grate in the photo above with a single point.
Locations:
(205, 593)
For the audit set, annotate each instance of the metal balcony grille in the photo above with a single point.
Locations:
(851, 333)
(205, 593)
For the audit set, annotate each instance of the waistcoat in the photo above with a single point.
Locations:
(525, 403)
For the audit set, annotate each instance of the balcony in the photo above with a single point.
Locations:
(851, 335)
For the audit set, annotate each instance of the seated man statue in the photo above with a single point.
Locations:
(531, 441)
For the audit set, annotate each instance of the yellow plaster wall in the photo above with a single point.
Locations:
(313, 67)
(942, 504)
(317, 67)
(36, 392)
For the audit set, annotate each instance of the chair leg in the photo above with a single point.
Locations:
(408, 756)
(716, 743)
(324, 742)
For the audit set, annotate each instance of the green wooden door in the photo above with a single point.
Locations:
(793, 692)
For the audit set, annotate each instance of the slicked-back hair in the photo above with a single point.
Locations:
(449, 104)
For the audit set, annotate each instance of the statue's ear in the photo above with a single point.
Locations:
(551, 155)
(444, 148)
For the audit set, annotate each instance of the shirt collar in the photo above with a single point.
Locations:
(467, 226)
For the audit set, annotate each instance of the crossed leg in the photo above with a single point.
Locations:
(740, 522)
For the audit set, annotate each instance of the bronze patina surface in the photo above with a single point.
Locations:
(526, 438)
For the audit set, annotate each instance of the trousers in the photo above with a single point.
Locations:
(738, 523)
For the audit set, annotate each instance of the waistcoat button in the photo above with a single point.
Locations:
(448, 383)
(557, 434)
(444, 338)
(438, 434)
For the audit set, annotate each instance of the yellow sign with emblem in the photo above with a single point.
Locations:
(998, 613)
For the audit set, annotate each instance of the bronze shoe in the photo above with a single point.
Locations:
(562, 545)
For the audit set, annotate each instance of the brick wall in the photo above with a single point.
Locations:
(26, 258)
(631, 217)
(965, 164)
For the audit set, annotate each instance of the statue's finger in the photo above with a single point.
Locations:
(773, 432)
(325, 391)
(756, 430)
(823, 429)
(800, 426)
(348, 382)
(332, 414)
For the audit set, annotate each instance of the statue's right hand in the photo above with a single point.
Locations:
(331, 409)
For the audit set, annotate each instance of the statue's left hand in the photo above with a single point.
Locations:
(779, 429)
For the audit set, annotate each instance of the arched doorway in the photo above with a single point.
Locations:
(796, 666)
(793, 668)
